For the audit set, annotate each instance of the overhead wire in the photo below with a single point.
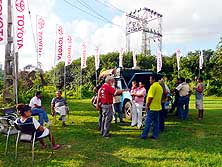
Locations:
(98, 16)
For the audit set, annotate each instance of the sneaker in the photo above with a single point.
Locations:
(56, 147)
(152, 137)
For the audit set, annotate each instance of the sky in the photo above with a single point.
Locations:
(187, 24)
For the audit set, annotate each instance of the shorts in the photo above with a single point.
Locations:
(199, 104)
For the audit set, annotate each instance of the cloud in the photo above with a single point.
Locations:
(185, 23)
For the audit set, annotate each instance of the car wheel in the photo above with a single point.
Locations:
(128, 110)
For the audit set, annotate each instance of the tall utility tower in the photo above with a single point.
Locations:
(11, 63)
(149, 23)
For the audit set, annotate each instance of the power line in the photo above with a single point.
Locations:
(98, 16)
(109, 5)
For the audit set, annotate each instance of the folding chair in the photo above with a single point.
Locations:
(27, 133)
(7, 128)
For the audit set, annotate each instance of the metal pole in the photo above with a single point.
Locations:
(81, 83)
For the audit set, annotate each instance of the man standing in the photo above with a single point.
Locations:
(37, 109)
(183, 104)
(59, 105)
(153, 107)
(105, 96)
(199, 89)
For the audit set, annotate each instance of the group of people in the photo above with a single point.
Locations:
(156, 100)
(58, 105)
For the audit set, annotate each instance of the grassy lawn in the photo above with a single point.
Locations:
(184, 143)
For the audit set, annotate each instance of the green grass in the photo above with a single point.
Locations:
(184, 143)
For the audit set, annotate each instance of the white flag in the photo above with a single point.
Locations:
(134, 59)
(3, 22)
(68, 50)
(97, 59)
(201, 60)
(178, 55)
(40, 26)
(19, 7)
(59, 52)
(121, 57)
(159, 61)
(83, 58)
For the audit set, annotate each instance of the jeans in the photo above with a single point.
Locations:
(42, 115)
(183, 107)
(152, 117)
(118, 109)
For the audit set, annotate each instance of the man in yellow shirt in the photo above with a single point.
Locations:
(153, 107)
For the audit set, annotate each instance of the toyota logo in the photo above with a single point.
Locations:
(20, 5)
(41, 23)
(69, 39)
(60, 30)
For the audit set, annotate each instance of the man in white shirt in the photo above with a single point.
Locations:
(37, 109)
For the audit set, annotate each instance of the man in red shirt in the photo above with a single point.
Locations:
(105, 97)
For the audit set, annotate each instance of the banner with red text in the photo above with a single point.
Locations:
(97, 59)
(40, 27)
(3, 22)
(19, 8)
(68, 50)
(59, 46)
(134, 59)
(121, 57)
(201, 60)
(83, 57)
(178, 56)
(159, 61)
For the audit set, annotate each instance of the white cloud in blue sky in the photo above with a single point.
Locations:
(187, 24)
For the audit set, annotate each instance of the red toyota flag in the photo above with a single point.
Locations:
(97, 59)
(59, 50)
(83, 58)
(159, 61)
(19, 7)
(134, 59)
(68, 50)
(121, 57)
(40, 26)
(3, 22)
(178, 55)
(201, 60)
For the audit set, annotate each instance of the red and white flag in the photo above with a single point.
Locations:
(59, 50)
(134, 59)
(97, 59)
(19, 7)
(201, 60)
(121, 57)
(68, 50)
(83, 58)
(3, 22)
(178, 56)
(159, 61)
(40, 26)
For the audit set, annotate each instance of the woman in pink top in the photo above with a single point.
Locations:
(138, 100)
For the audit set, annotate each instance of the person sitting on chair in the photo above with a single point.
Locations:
(41, 132)
(59, 105)
(38, 109)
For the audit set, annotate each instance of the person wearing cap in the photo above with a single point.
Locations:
(59, 105)
(37, 109)
(26, 118)
(105, 96)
